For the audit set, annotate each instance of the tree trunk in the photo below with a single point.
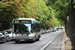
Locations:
(73, 25)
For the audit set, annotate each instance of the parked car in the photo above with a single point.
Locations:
(4, 37)
(9, 32)
(42, 31)
(54, 30)
(47, 31)
(51, 29)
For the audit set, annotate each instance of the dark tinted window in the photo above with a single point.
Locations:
(35, 27)
(23, 28)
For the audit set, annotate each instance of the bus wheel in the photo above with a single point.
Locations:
(34, 39)
(38, 39)
(16, 41)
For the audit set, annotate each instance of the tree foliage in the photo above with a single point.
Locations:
(45, 11)
(8, 11)
(60, 8)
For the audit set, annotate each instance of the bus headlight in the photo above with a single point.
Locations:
(18, 35)
(31, 35)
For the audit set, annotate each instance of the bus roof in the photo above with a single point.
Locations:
(32, 19)
(26, 19)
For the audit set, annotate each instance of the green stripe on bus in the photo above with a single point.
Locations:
(35, 22)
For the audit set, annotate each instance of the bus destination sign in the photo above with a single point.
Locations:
(22, 21)
(16, 21)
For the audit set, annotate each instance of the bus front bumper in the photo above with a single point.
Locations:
(24, 38)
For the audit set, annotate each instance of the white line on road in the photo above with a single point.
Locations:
(43, 48)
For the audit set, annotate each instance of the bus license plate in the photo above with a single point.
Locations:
(22, 39)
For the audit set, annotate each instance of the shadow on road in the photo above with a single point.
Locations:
(26, 42)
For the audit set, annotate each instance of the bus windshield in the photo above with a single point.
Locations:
(22, 28)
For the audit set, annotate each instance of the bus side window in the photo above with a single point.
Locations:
(37, 28)
(33, 28)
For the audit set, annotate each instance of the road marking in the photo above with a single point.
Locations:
(43, 48)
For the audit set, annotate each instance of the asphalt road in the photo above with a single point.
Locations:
(37, 45)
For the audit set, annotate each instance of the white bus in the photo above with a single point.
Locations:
(26, 29)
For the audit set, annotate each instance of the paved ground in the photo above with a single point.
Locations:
(56, 44)
(37, 45)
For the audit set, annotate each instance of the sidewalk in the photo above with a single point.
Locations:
(63, 44)
(68, 44)
(57, 44)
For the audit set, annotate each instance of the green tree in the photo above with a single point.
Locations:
(43, 14)
(8, 11)
(30, 9)
(60, 7)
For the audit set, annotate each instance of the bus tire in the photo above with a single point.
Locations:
(34, 39)
(38, 39)
(16, 41)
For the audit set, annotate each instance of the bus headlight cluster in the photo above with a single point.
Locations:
(31, 35)
(25, 35)
(18, 35)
